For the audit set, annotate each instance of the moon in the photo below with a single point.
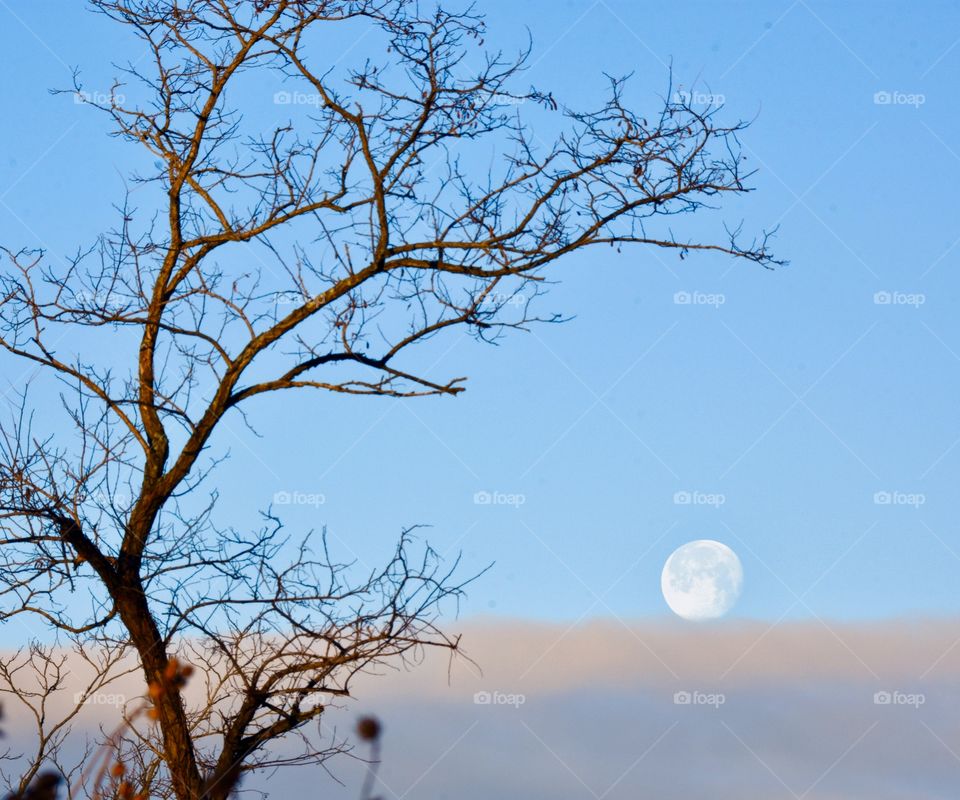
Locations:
(702, 580)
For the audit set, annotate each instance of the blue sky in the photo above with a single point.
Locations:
(796, 396)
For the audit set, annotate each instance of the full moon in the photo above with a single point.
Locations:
(702, 580)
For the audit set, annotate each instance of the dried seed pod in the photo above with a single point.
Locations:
(368, 729)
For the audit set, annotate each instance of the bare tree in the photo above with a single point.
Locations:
(35, 677)
(373, 228)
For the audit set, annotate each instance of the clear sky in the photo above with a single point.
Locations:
(796, 397)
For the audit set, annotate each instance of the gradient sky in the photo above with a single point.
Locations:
(798, 399)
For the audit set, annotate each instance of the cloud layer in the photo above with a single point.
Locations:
(819, 711)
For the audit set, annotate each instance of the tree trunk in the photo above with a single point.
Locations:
(178, 749)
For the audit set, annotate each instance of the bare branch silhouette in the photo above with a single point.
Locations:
(311, 251)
